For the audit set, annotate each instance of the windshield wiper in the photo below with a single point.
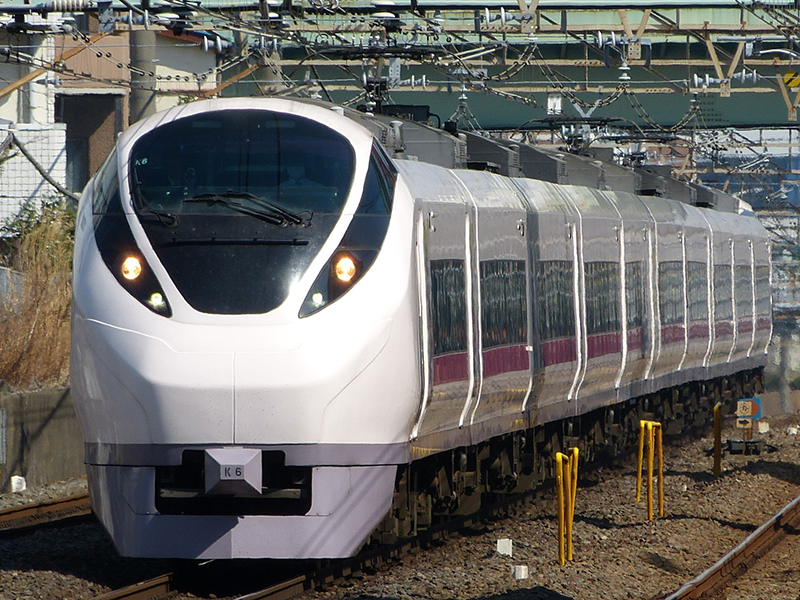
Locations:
(167, 219)
(277, 215)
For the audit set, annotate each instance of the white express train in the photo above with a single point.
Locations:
(286, 341)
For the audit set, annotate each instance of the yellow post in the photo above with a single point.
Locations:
(566, 491)
(650, 450)
(659, 441)
(560, 495)
(717, 439)
(639, 468)
(573, 489)
(651, 430)
(567, 499)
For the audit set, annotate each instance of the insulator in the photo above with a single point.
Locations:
(70, 5)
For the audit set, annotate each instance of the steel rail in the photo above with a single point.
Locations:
(26, 516)
(733, 564)
(158, 587)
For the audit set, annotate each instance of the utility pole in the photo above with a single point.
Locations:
(143, 87)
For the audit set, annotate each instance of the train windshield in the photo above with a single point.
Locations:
(285, 160)
(237, 203)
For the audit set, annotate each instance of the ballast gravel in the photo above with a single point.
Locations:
(618, 553)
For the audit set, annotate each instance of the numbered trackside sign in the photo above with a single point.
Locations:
(749, 408)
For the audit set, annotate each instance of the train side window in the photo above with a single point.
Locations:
(105, 198)
(698, 291)
(504, 314)
(744, 292)
(379, 185)
(602, 297)
(723, 301)
(448, 306)
(634, 294)
(556, 300)
(670, 291)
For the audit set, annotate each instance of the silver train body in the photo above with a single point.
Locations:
(257, 347)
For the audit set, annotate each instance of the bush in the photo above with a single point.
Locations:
(35, 317)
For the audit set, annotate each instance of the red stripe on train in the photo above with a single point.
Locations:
(449, 368)
(601, 344)
(671, 334)
(505, 359)
(698, 330)
(723, 328)
(559, 351)
(635, 338)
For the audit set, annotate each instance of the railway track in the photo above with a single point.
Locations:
(165, 586)
(19, 519)
(743, 556)
(712, 581)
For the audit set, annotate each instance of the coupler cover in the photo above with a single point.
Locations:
(233, 471)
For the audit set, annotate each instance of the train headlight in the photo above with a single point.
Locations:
(363, 239)
(131, 268)
(125, 261)
(345, 269)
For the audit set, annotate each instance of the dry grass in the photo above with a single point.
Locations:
(35, 319)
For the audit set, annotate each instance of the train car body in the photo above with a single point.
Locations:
(272, 318)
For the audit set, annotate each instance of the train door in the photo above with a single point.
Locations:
(601, 281)
(503, 350)
(448, 299)
(722, 295)
(697, 319)
(634, 304)
(742, 296)
(763, 333)
(670, 291)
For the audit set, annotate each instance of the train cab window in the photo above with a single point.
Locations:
(448, 306)
(743, 289)
(105, 197)
(602, 297)
(762, 290)
(634, 294)
(379, 186)
(556, 299)
(670, 291)
(504, 314)
(723, 295)
(698, 291)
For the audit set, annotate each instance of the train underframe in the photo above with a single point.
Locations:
(459, 481)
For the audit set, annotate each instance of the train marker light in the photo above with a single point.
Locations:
(156, 300)
(345, 269)
(131, 268)
(317, 299)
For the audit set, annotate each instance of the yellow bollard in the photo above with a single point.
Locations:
(560, 496)
(651, 432)
(717, 439)
(566, 491)
(660, 443)
(639, 468)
